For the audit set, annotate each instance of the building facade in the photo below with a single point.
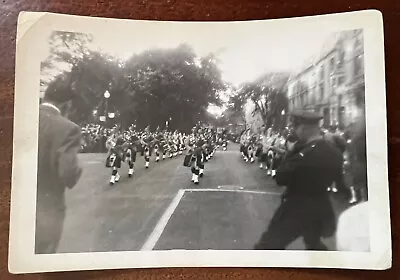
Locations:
(332, 82)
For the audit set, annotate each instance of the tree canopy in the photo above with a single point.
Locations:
(157, 87)
(268, 95)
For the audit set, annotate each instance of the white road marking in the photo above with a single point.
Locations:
(230, 187)
(162, 223)
(93, 162)
(231, 190)
(229, 152)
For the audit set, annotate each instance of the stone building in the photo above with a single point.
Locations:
(332, 81)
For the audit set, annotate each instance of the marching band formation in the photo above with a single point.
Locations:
(199, 147)
(267, 149)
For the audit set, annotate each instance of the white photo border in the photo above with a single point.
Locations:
(33, 30)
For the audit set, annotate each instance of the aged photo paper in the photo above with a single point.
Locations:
(143, 144)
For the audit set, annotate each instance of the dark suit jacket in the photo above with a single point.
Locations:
(58, 169)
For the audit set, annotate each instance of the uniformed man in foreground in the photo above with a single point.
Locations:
(306, 171)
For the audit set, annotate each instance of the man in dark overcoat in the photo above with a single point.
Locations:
(58, 168)
(306, 210)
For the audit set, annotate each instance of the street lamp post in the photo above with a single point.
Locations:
(104, 117)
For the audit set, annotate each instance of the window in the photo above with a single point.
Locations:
(321, 91)
(321, 83)
(306, 98)
(332, 65)
(359, 65)
(311, 96)
(321, 73)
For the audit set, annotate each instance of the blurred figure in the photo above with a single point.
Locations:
(58, 168)
(306, 171)
(278, 149)
(353, 224)
(197, 161)
(337, 140)
(358, 162)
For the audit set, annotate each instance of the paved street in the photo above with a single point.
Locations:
(160, 208)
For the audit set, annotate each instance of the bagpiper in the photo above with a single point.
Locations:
(260, 154)
(197, 162)
(279, 149)
(146, 141)
(251, 149)
(171, 147)
(243, 149)
(130, 153)
(114, 158)
(159, 146)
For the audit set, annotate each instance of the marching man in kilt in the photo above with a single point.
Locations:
(130, 154)
(252, 148)
(189, 159)
(259, 152)
(176, 144)
(209, 149)
(198, 162)
(157, 149)
(243, 143)
(279, 150)
(164, 147)
(114, 158)
(171, 146)
(146, 142)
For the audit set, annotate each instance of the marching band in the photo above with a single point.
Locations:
(199, 147)
(268, 148)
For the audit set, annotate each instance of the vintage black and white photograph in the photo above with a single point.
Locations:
(218, 138)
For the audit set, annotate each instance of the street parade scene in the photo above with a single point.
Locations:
(160, 151)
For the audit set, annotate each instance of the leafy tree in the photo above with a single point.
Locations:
(172, 85)
(268, 94)
(151, 88)
(66, 49)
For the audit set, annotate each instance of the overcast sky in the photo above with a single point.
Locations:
(242, 58)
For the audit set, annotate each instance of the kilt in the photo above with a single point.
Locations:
(130, 155)
(263, 157)
(258, 151)
(114, 160)
(147, 152)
